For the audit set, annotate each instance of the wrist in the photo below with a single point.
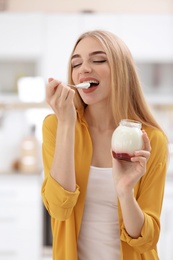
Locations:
(125, 194)
(66, 125)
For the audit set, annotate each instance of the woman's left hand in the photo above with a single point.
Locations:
(127, 174)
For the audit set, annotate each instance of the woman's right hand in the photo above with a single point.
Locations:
(60, 98)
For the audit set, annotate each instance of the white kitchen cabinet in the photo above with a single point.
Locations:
(21, 35)
(20, 217)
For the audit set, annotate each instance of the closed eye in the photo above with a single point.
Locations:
(94, 61)
(99, 61)
(76, 65)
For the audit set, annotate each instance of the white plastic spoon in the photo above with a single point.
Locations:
(81, 85)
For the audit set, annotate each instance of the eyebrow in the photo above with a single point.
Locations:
(91, 54)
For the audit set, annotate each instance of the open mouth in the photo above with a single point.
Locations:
(93, 83)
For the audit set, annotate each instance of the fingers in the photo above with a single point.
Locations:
(65, 94)
(56, 90)
(142, 153)
(140, 164)
(58, 96)
(51, 88)
(141, 157)
(146, 141)
(50, 79)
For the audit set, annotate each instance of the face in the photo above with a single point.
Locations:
(89, 64)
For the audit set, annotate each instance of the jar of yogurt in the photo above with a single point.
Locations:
(126, 139)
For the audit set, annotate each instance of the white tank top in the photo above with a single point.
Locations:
(99, 235)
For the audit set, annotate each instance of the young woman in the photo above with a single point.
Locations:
(101, 207)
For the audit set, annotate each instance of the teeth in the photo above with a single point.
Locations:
(93, 81)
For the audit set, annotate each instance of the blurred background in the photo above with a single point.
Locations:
(36, 37)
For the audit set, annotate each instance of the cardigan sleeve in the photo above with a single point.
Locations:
(149, 194)
(58, 201)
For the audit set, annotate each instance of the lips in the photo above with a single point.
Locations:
(90, 89)
(93, 84)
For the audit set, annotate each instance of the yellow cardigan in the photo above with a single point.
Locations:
(66, 208)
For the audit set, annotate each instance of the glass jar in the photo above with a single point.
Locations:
(126, 139)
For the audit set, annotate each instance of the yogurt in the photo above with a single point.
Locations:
(126, 139)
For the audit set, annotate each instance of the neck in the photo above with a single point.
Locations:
(100, 117)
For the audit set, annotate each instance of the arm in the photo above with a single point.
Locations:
(59, 189)
(126, 175)
(147, 195)
(58, 201)
(63, 169)
(133, 216)
(60, 98)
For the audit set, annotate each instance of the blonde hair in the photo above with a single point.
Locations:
(127, 98)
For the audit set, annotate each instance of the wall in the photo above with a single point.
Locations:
(123, 6)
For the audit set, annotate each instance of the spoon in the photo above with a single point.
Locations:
(80, 85)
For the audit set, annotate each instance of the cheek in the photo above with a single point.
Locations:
(106, 77)
(105, 73)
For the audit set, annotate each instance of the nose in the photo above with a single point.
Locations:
(85, 68)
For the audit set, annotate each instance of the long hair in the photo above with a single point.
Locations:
(127, 98)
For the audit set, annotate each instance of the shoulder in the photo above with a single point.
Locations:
(155, 135)
(159, 143)
(50, 119)
(50, 124)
